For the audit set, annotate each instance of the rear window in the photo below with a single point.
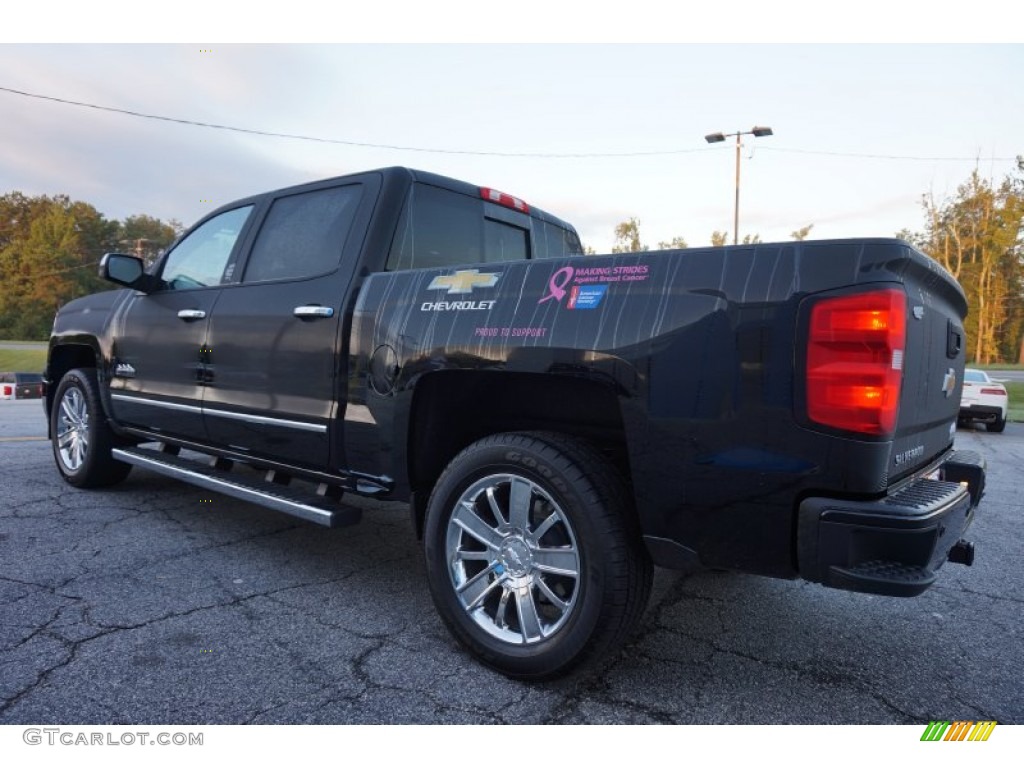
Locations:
(978, 377)
(441, 228)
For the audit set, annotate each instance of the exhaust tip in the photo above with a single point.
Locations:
(962, 552)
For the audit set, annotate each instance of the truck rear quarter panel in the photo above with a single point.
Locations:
(699, 348)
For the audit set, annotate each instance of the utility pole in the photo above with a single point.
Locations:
(713, 138)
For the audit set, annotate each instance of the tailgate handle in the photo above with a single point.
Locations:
(954, 340)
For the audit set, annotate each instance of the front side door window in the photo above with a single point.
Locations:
(199, 261)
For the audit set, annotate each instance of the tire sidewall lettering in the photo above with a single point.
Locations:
(543, 470)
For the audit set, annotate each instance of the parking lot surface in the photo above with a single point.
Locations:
(157, 602)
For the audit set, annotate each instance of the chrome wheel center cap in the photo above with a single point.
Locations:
(515, 557)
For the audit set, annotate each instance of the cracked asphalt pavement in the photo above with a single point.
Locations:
(158, 602)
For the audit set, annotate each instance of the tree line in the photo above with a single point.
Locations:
(977, 234)
(627, 238)
(50, 246)
(49, 251)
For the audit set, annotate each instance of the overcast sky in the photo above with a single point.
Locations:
(829, 106)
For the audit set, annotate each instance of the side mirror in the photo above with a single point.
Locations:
(126, 270)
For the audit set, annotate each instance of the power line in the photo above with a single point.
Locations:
(433, 150)
(322, 140)
(51, 274)
(862, 155)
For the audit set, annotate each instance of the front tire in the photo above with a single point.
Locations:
(81, 438)
(533, 557)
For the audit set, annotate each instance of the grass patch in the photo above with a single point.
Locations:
(997, 366)
(23, 360)
(1015, 391)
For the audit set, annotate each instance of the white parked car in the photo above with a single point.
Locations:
(983, 400)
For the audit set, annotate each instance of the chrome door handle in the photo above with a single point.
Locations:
(313, 311)
(191, 314)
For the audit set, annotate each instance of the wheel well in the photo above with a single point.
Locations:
(63, 359)
(452, 409)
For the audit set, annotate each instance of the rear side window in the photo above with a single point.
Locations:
(303, 235)
(440, 228)
(437, 228)
(554, 242)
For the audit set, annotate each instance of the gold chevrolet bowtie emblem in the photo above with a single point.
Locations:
(464, 281)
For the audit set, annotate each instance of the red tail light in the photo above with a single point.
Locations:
(8, 390)
(855, 361)
(993, 391)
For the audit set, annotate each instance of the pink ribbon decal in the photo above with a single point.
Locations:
(557, 283)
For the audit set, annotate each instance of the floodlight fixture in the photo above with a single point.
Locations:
(714, 138)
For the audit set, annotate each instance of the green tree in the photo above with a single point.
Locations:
(96, 236)
(627, 237)
(977, 236)
(147, 237)
(673, 244)
(17, 213)
(802, 233)
(718, 239)
(49, 250)
(36, 273)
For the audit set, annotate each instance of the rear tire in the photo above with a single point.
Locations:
(996, 426)
(533, 556)
(81, 438)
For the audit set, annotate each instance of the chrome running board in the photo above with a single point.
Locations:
(318, 508)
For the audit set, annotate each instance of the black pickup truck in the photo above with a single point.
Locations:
(559, 423)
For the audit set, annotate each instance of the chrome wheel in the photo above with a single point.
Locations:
(82, 439)
(73, 429)
(513, 559)
(531, 559)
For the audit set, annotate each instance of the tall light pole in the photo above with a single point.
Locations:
(714, 138)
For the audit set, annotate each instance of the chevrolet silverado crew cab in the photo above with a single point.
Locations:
(559, 423)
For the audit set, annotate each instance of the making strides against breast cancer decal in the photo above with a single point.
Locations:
(587, 286)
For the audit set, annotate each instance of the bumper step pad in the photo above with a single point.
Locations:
(887, 578)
